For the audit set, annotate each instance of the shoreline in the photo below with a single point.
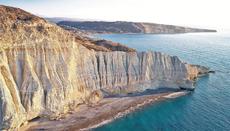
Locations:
(139, 106)
(87, 117)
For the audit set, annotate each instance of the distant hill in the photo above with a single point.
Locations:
(59, 19)
(129, 27)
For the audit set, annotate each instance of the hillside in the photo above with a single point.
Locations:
(129, 27)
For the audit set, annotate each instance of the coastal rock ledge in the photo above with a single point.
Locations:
(44, 72)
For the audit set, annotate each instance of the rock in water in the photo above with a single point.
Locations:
(44, 72)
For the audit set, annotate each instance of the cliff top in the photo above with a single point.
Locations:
(19, 28)
(11, 15)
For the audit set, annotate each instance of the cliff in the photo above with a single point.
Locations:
(129, 27)
(46, 72)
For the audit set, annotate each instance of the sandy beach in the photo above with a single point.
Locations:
(108, 109)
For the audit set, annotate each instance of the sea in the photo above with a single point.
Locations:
(205, 109)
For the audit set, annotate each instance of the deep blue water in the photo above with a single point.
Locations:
(207, 108)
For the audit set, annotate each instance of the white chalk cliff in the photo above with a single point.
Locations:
(45, 72)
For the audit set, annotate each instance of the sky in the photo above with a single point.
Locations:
(196, 13)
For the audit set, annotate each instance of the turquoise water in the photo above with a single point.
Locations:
(207, 108)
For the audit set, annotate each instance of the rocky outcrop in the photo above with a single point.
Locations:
(129, 27)
(45, 72)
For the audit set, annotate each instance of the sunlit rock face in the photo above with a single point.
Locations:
(44, 72)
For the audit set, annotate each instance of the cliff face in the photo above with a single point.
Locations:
(45, 72)
(129, 27)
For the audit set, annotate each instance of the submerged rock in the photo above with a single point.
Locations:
(45, 72)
